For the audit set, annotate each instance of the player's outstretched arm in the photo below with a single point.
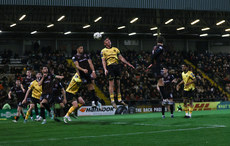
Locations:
(59, 77)
(126, 62)
(149, 66)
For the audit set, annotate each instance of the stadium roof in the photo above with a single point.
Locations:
(200, 5)
(149, 21)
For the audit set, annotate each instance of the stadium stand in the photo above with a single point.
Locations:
(137, 87)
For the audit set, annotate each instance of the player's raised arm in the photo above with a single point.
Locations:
(59, 77)
(124, 61)
(42, 79)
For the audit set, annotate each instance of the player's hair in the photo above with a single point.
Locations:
(78, 46)
(185, 64)
(44, 66)
(105, 37)
(164, 66)
(160, 39)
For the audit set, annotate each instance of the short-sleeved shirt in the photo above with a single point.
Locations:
(47, 84)
(74, 84)
(19, 92)
(26, 82)
(82, 59)
(167, 81)
(110, 55)
(36, 89)
(188, 77)
(57, 88)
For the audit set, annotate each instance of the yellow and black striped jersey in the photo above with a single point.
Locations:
(74, 84)
(110, 55)
(36, 89)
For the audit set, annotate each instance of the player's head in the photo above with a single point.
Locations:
(165, 70)
(107, 42)
(28, 73)
(184, 67)
(80, 49)
(45, 69)
(18, 82)
(38, 75)
(160, 39)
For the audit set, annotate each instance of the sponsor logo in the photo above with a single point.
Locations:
(95, 109)
(159, 109)
(198, 106)
(90, 111)
(149, 109)
(8, 114)
(83, 109)
(201, 106)
(224, 105)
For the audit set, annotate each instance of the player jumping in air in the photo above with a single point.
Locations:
(189, 81)
(110, 60)
(156, 59)
(87, 73)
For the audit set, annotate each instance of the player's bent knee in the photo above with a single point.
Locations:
(81, 100)
(74, 103)
(62, 105)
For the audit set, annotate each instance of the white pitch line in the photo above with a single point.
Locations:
(110, 135)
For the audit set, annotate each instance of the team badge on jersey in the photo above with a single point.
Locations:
(192, 75)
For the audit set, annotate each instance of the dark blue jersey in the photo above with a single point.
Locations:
(157, 55)
(82, 59)
(57, 88)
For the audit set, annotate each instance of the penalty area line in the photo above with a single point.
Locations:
(110, 135)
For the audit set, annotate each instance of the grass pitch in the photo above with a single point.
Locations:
(204, 128)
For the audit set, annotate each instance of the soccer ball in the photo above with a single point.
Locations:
(97, 35)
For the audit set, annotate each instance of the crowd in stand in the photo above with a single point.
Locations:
(215, 66)
(137, 86)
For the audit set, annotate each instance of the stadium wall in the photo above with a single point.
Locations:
(19, 46)
(203, 5)
(220, 49)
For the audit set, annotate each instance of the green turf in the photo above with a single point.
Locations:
(205, 128)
